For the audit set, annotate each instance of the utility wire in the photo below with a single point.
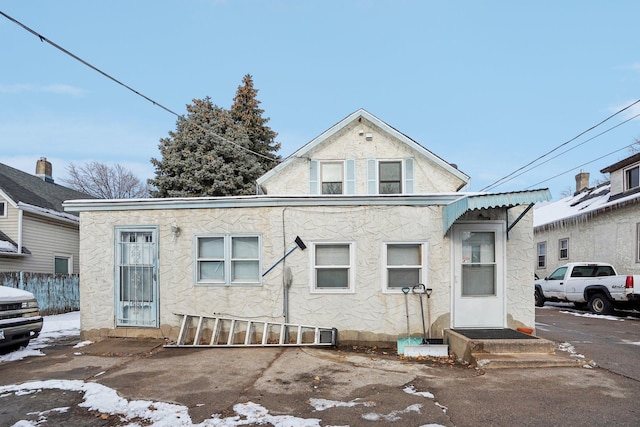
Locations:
(157, 104)
(579, 166)
(504, 179)
(573, 148)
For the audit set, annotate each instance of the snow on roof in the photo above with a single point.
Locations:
(7, 247)
(576, 207)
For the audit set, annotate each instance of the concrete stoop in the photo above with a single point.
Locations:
(529, 352)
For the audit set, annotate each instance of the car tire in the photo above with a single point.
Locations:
(600, 304)
(539, 298)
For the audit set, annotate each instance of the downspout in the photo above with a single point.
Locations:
(20, 212)
(285, 285)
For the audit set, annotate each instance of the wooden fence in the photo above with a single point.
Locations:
(56, 293)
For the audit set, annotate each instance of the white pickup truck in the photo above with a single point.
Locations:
(20, 318)
(595, 284)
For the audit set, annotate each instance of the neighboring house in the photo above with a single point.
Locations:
(375, 211)
(600, 223)
(36, 235)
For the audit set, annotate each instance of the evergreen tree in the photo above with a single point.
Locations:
(246, 111)
(206, 156)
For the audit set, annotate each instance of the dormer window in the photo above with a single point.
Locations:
(632, 178)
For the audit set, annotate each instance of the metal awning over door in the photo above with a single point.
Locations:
(459, 207)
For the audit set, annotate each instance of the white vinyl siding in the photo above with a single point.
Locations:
(44, 238)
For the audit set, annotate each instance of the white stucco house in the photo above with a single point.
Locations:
(375, 212)
(598, 223)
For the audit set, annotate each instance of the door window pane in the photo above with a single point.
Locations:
(479, 266)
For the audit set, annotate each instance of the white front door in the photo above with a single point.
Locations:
(478, 282)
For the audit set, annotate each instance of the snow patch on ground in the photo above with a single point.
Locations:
(595, 316)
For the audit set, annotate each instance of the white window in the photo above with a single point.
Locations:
(563, 248)
(228, 260)
(390, 176)
(632, 178)
(542, 255)
(3, 209)
(332, 177)
(62, 264)
(333, 269)
(404, 264)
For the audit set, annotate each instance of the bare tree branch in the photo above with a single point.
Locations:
(105, 182)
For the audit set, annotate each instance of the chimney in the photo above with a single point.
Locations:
(44, 170)
(582, 181)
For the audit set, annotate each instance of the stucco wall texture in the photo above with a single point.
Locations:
(367, 313)
(608, 237)
(350, 143)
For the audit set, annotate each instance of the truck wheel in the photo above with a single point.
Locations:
(539, 298)
(600, 304)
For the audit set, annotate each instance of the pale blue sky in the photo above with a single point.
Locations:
(487, 85)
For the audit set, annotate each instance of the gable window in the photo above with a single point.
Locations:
(390, 176)
(228, 260)
(331, 177)
(3, 209)
(563, 248)
(542, 255)
(404, 265)
(632, 178)
(333, 267)
(61, 264)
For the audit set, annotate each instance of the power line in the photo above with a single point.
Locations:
(157, 104)
(573, 148)
(504, 179)
(580, 166)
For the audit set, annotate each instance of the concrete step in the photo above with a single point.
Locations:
(524, 360)
(512, 346)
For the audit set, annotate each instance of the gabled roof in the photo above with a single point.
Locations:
(22, 188)
(361, 113)
(580, 207)
(622, 163)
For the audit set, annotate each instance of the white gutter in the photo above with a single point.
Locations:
(431, 199)
(47, 213)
